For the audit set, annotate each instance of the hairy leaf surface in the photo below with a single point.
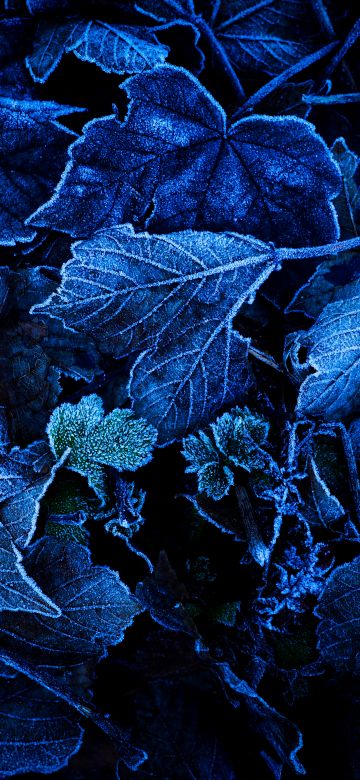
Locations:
(339, 613)
(96, 607)
(269, 176)
(114, 48)
(32, 154)
(257, 36)
(334, 352)
(24, 478)
(18, 591)
(174, 296)
(39, 733)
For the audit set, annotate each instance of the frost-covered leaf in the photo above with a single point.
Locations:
(114, 48)
(283, 737)
(264, 36)
(39, 733)
(269, 176)
(73, 354)
(333, 352)
(235, 440)
(18, 591)
(29, 385)
(118, 439)
(339, 613)
(214, 477)
(327, 505)
(25, 476)
(32, 155)
(180, 296)
(347, 203)
(96, 607)
(257, 36)
(326, 284)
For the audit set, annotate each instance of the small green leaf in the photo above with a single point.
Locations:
(94, 440)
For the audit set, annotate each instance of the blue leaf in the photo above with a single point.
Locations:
(96, 607)
(257, 36)
(269, 176)
(32, 146)
(332, 392)
(38, 732)
(177, 301)
(167, 10)
(283, 737)
(327, 505)
(25, 476)
(339, 613)
(265, 36)
(114, 48)
(18, 591)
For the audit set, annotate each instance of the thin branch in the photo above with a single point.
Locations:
(221, 57)
(283, 77)
(325, 100)
(336, 60)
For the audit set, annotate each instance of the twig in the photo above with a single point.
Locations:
(278, 81)
(221, 56)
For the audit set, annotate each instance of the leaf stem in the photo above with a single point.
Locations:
(131, 756)
(325, 100)
(220, 56)
(309, 252)
(283, 77)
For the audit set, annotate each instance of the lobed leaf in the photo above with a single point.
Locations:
(93, 440)
(177, 155)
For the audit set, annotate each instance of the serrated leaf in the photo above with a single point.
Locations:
(114, 48)
(96, 607)
(339, 612)
(333, 351)
(347, 203)
(235, 440)
(266, 36)
(94, 440)
(25, 476)
(32, 154)
(177, 301)
(18, 591)
(38, 732)
(270, 176)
